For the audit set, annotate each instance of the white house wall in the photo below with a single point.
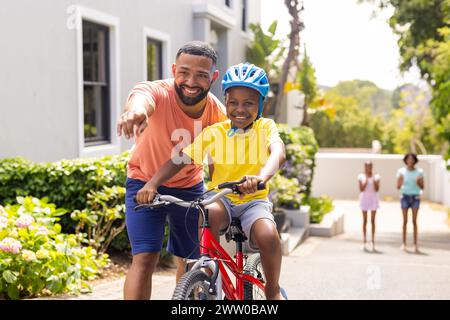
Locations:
(38, 65)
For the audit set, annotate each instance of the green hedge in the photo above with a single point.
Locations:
(65, 183)
(78, 186)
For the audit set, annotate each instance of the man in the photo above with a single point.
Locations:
(165, 116)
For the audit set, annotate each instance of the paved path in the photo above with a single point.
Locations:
(337, 268)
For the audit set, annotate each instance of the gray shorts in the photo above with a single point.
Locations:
(248, 213)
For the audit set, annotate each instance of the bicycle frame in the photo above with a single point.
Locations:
(210, 247)
(212, 251)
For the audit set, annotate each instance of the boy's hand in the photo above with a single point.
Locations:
(250, 185)
(146, 194)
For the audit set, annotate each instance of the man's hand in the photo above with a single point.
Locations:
(146, 194)
(133, 120)
(250, 185)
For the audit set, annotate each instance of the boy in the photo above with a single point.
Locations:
(244, 145)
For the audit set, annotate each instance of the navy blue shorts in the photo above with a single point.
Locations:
(145, 226)
(410, 201)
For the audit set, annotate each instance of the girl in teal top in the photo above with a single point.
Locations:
(410, 182)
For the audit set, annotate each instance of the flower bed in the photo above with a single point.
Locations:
(36, 258)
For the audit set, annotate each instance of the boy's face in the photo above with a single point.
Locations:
(242, 106)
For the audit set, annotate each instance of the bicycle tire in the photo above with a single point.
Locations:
(253, 267)
(189, 281)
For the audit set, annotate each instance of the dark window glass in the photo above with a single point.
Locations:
(244, 15)
(154, 61)
(228, 3)
(96, 83)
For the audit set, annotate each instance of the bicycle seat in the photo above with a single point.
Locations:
(235, 231)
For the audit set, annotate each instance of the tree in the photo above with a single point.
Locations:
(291, 63)
(308, 85)
(411, 127)
(424, 30)
(350, 127)
(267, 52)
(367, 94)
(408, 128)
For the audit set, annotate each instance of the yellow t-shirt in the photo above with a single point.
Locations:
(245, 153)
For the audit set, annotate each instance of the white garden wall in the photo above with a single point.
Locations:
(336, 174)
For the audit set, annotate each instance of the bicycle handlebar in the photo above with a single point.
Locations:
(163, 200)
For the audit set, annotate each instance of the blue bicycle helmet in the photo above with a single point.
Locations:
(247, 75)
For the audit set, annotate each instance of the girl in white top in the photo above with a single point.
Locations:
(369, 184)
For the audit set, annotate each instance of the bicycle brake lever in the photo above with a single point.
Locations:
(153, 205)
(230, 184)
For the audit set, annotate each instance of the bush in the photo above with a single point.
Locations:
(93, 188)
(301, 148)
(36, 258)
(104, 218)
(319, 207)
(65, 183)
(285, 192)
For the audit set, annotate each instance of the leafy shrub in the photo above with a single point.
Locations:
(301, 148)
(36, 258)
(285, 192)
(76, 185)
(65, 183)
(319, 207)
(104, 217)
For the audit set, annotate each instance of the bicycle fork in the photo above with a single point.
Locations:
(215, 287)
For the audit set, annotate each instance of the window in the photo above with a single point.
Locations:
(244, 15)
(96, 84)
(154, 60)
(228, 3)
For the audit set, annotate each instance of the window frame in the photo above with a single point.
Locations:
(244, 16)
(164, 39)
(106, 114)
(113, 24)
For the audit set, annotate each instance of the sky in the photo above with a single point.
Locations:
(344, 41)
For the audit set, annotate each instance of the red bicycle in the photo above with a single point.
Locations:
(197, 284)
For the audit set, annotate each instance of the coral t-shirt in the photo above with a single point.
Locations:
(169, 130)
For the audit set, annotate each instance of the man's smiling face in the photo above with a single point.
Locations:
(194, 76)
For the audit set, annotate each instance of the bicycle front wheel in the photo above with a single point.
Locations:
(193, 285)
(254, 268)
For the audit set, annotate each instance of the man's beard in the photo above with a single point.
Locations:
(188, 100)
